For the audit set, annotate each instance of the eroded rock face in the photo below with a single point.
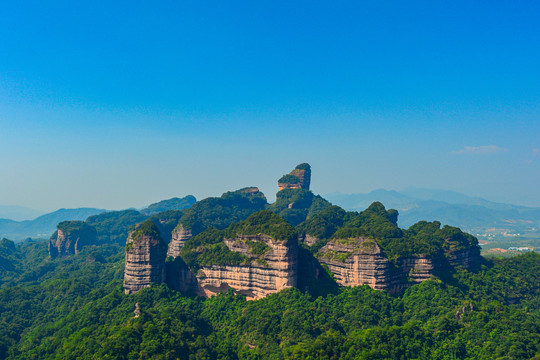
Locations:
(358, 261)
(179, 237)
(271, 272)
(468, 258)
(409, 271)
(307, 239)
(145, 259)
(299, 178)
(70, 238)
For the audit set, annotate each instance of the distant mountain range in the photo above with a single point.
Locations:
(473, 214)
(171, 204)
(43, 226)
(18, 213)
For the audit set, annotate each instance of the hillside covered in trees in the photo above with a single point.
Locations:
(450, 304)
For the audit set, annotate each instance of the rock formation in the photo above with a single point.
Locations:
(145, 258)
(468, 258)
(231, 242)
(70, 237)
(299, 178)
(357, 261)
(360, 261)
(179, 237)
(307, 239)
(267, 273)
(409, 271)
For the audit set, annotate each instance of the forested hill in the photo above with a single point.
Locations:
(75, 307)
(302, 260)
(44, 225)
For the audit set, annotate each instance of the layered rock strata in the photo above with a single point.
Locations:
(299, 178)
(145, 258)
(267, 273)
(70, 237)
(409, 271)
(467, 258)
(357, 261)
(179, 237)
(360, 261)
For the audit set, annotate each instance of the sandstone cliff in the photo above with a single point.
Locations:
(409, 271)
(269, 271)
(299, 178)
(70, 237)
(145, 258)
(468, 258)
(357, 261)
(360, 261)
(179, 237)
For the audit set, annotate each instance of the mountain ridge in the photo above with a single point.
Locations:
(474, 214)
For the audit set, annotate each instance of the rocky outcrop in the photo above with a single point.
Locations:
(409, 271)
(179, 237)
(360, 261)
(299, 178)
(270, 270)
(70, 237)
(145, 258)
(307, 239)
(357, 261)
(468, 258)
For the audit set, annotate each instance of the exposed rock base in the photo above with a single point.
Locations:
(70, 238)
(179, 237)
(267, 274)
(145, 261)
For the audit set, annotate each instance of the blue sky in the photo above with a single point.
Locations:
(119, 104)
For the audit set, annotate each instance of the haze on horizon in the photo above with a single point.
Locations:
(117, 105)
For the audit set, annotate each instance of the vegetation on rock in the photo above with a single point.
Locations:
(147, 228)
(113, 226)
(296, 205)
(220, 212)
(289, 179)
(263, 222)
(75, 308)
(207, 248)
(171, 204)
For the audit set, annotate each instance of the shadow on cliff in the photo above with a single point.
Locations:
(449, 273)
(312, 277)
(179, 277)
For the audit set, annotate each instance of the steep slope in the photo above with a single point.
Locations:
(255, 257)
(370, 249)
(145, 258)
(294, 201)
(299, 178)
(70, 237)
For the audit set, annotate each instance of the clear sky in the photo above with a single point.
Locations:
(117, 104)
